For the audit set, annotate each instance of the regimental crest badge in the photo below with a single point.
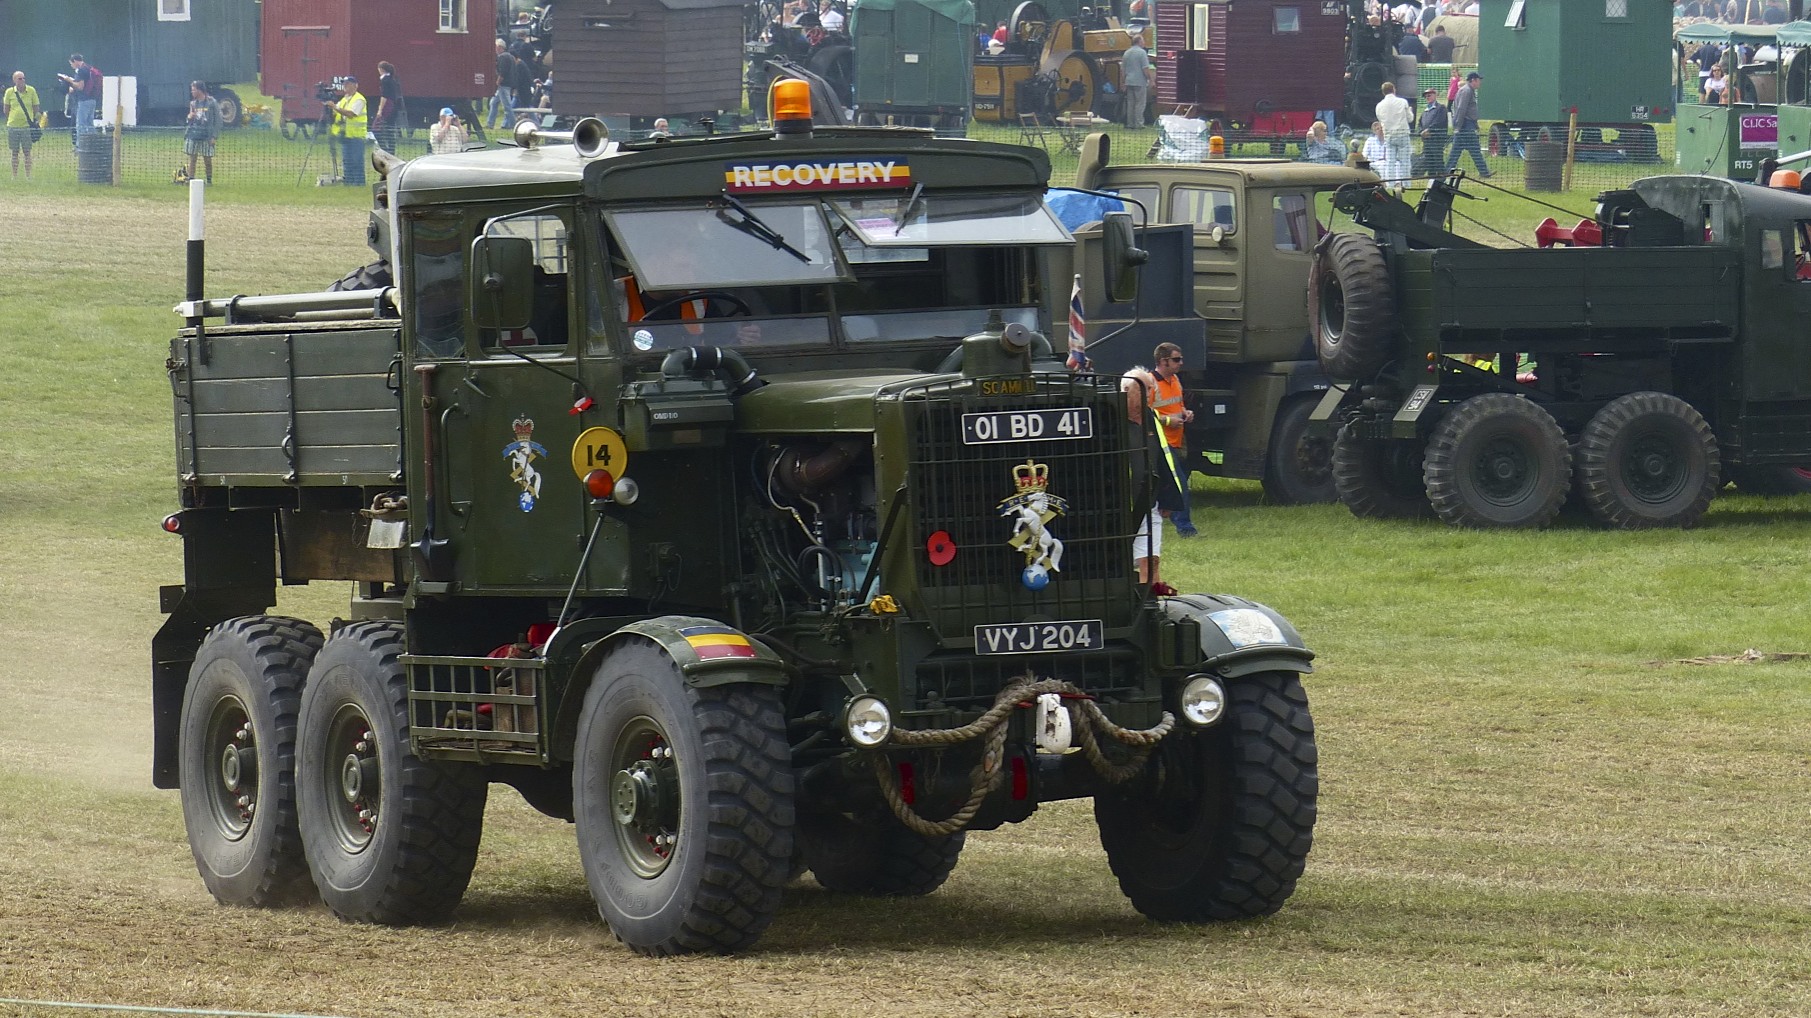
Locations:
(521, 455)
(1031, 509)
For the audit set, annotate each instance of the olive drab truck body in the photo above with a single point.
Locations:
(723, 497)
(1250, 372)
(1648, 355)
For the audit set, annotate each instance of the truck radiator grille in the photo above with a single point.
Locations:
(476, 707)
(968, 685)
(957, 488)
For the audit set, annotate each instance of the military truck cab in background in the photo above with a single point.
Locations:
(1646, 355)
(1251, 375)
(723, 496)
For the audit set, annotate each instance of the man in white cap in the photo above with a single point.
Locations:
(448, 134)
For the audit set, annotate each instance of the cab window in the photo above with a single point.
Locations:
(549, 323)
(437, 253)
(1292, 222)
(1205, 207)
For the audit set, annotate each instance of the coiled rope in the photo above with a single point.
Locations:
(1086, 719)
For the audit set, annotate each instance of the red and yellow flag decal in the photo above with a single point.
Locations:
(717, 641)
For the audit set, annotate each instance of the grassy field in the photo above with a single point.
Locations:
(1532, 804)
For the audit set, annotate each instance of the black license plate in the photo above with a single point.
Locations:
(1039, 637)
(1062, 425)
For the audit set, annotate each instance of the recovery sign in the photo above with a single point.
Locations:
(790, 175)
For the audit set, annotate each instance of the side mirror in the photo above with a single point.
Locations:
(501, 289)
(1122, 257)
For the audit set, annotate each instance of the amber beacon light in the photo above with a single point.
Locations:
(791, 99)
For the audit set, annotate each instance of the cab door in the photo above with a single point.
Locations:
(499, 432)
(1219, 277)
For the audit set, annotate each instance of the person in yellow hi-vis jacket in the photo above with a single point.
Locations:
(22, 110)
(350, 128)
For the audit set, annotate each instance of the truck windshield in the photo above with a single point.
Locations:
(714, 246)
(920, 220)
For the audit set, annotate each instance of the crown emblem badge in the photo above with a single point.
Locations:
(1031, 509)
(521, 455)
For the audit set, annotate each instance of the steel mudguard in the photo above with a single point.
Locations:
(1226, 656)
(707, 652)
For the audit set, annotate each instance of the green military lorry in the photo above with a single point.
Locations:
(1252, 377)
(723, 497)
(1649, 353)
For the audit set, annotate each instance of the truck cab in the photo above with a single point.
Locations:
(1252, 379)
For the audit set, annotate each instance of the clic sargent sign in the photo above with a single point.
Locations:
(789, 175)
(1760, 130)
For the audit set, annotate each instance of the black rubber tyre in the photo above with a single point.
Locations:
(374, 276)
(1648, 460)
(1298, 466)
(1220, 824)
(237, 758)
(232, 111)
(1497, 460)
(875, 854)
(684, 805)
(1352, 306)
(390, 838)
(1772, 479)
(1379, 479)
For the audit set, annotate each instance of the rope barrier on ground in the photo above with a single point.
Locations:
(1086, 718)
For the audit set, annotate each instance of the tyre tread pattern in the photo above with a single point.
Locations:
(1273, 787)
(284, 649)
(442, 808)
(374, 276)
(1598, 480)
(1354, 262)
(1360, 476)
(749, 835)
(1445, 466)
(877, 855)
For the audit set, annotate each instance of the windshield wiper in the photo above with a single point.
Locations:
(752, 225)
(905, 214)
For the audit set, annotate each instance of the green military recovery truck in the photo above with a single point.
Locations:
(1651, 352)
(1251, 376)
(723, 497)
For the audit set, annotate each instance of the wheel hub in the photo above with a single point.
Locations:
(636, 795)
(238, 767)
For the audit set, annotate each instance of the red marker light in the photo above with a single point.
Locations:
(600, 484)
(580, 405)
(941, 548)
(172, 524)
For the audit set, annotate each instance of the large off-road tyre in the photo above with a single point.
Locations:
(1772, 479)
(1352, 305)
(374, 276)
(390, 838)
(683, 798)
(1298, 466)
(237, 758)
(1379, 479)
(875, 854)
(1219, 825)
(1648, 459)
(1498, 460)
(835, 63)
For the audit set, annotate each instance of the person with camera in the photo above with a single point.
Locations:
(20, 104)
(349, 129)
(448, 134)
(202, 129)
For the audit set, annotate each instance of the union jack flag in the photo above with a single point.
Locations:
(1078, 329)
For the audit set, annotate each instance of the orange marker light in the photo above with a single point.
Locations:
(791, 100)
(600, 484)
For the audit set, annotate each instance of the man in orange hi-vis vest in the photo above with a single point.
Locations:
(1172, 414)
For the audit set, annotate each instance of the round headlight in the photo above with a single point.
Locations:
(868, 721)
(1203, 700)
(626, 491)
